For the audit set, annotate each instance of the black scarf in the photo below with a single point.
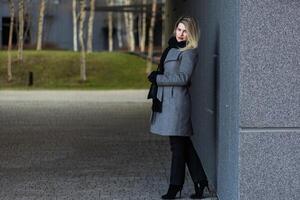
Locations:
(173, 43)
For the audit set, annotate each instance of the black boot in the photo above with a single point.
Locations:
(172, 192)
(199, 187)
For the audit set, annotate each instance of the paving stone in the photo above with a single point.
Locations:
(85, 149)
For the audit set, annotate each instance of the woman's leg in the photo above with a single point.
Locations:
(194, 164)
(178, 160)
(177, 168)
(196, 170)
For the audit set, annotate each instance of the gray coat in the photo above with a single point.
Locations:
(175, 119)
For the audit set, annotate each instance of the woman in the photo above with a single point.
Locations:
(172, 106)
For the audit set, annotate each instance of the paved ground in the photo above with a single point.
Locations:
(80, 145)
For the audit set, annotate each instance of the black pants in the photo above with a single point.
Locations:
(183, 152)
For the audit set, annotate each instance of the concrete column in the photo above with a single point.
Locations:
(245, 96)
(269, 145)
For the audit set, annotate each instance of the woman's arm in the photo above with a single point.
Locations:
(182, 77)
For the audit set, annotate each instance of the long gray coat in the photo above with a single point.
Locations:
(175, 119)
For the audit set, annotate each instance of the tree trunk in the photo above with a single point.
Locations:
(83, 53)
(129, 28)
(119, 29)
(91, 27)
(11, 29)
(40, 25)
(142, 27)
(131, 31)
(21, 30)
(27, 19)
(151, 31)
(75, 43)
(119, 24)
(126, 2)
(110, 28)
(163, 16)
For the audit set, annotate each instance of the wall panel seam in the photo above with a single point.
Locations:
(268, 129)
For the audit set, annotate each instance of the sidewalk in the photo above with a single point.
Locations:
(75, 96)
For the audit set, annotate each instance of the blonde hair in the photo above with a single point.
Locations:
(192, 29)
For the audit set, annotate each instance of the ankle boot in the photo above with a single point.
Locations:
(172, 192)
(199, 187)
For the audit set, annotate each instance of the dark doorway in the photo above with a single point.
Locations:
(5, 31)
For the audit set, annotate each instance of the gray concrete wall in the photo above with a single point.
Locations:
(214, 90)
(253, 152)
(228, 101)
(269, 157)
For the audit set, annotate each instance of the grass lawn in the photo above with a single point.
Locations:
(61, 70)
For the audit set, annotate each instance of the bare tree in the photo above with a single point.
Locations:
(129, 27)
(91, 26)
(163, 19)
(142, 27)
(11, 29)
(131, 31)
(81, 40)
(110, 27)
(27, 19)
(74, 13)
(151, 36)
(119, 30)
(126, 23)
(21, 30)
(41, 25)
(119, 24)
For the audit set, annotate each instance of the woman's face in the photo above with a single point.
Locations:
(181, 34)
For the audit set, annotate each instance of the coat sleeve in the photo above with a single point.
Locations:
(183, 76)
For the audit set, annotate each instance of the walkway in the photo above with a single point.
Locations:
(62, 145)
